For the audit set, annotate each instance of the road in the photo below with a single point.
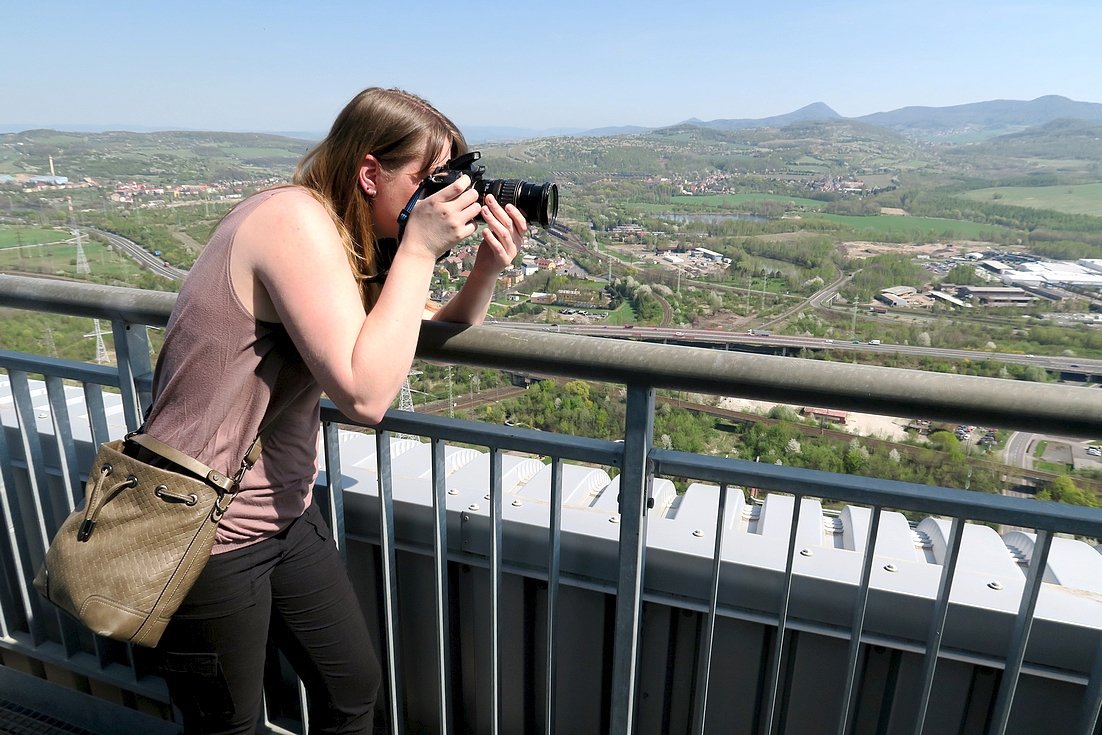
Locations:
(142, 256)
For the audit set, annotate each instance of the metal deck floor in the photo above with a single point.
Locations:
(33, 706)
(16, 719)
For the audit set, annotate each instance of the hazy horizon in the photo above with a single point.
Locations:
(124, 127)
(258, 67)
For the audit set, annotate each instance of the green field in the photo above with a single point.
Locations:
(16, 237)
(1074, 199)
(59, 257)
(914, 227)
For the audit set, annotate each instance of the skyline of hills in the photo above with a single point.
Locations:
(966, 122)
(972, 121)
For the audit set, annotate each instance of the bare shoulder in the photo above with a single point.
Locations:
(291, 222)
(283, 232)
(291, 207)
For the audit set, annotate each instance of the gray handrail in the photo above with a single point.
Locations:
(1059, 409)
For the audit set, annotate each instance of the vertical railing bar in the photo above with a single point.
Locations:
(63, 444)
(554, 554)
(32, 451)
(440, 559)
(634, 489)
(97, 414)
(704, 671)
(12, 517)
(1020, 636)
(858, 624)
(97, 426)
(132, 360)
(937, 621)
(1092, 698)
(495, 589)
(304, 706)
(390, 579)
(66, 459)
(782, 621)
(140, 356)
(131, 344)
(334, 484)
(19, 383)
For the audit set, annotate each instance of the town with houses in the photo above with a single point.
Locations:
(1011, 279)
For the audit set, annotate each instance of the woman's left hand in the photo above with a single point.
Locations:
(502, 236)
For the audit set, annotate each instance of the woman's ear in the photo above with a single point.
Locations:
(369, 175)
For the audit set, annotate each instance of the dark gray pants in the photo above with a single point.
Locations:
(294, 588)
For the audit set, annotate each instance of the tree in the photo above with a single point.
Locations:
(1064, 490)
(943, 441)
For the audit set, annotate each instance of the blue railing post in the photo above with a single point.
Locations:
(135, 371)
(334, 485)
(634, 493)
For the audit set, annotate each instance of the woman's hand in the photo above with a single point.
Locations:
(443, 219)
(501, 238)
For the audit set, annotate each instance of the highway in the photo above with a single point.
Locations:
(142, 256)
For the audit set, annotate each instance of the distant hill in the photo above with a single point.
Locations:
(1072, 139)
(971, 122)
(813, 140)
(812, 112)
(491, 134)
(984, 118)
(186, 156)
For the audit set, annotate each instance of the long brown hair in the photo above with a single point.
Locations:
(394, 126)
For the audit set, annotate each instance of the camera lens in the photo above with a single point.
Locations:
(538, 202)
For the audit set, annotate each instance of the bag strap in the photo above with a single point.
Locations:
(192, 465)
(200, 470)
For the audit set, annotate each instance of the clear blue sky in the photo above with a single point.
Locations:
(537, 64)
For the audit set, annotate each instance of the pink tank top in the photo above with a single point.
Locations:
(218, 371)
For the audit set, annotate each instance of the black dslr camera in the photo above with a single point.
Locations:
(538, 202)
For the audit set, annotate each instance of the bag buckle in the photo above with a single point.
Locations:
(222, 505)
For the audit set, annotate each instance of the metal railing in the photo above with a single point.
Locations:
(43, 466)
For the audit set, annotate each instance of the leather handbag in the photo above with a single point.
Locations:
(124, 562)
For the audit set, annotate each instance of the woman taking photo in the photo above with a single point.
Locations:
(289, 301)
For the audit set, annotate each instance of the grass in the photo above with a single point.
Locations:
(1040, 450)
(623, 314)
(16, 237)
(914, 228)
(1073, 199)
(59, 258)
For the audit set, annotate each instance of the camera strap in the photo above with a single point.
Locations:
(403, 216)
(386, 248)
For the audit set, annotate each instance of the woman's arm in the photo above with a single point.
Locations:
(501, 239)
(290, 252)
